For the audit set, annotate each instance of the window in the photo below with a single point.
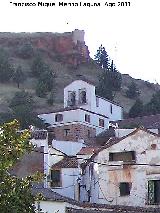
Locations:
(58, 117)
(66, 132)
(101, 122)
(122, 156)
(124, 188)
(88, 133)
(153, 192)
(111, 109)
(71, 98)
(87, 118)
(97, 102)
(55, 178)
(82, 96)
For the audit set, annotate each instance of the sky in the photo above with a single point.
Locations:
(130, 34)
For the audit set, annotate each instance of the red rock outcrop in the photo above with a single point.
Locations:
(68, 47)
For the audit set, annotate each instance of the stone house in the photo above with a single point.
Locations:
(125, 171)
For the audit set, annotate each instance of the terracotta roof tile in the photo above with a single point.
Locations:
(87, 150)
(66, 162)
(29, 164)
(148, 122)
(48, 194)
(39, 134)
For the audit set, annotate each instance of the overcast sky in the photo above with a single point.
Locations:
(130, 34)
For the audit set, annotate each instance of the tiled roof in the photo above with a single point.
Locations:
(29, 164)
(66, 162)
(148, 122)
(87, 150)
(86, 207)
(114, 140)
(39, 134)
(48, 194)
(114, 209)
(103, 137)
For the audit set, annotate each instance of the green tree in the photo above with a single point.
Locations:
(133, 91)
(137, 109)
(19, 76)
(15, 193)
(26, 51)
(102, 58)
(38, 66)
(109, 81)
(6, 69)
(115, 78)
(51, 98)
(103, 89)
(5, 117)
(45, 83)
(47, 78)
(22, 106)
(40, 89)
(22, 98)
(153, 107)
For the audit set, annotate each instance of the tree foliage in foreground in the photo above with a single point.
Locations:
(15, 193)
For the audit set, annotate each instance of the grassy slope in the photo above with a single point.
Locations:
(64, 76)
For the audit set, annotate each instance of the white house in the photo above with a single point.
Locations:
(84, 114)
(126, 171)
(55, 203)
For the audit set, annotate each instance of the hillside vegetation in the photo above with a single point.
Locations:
(14, 46)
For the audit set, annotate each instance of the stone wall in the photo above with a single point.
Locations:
(74, 132)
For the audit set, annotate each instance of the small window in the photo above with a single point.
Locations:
(97, 102)
(101, 122)
(153, 192)
(66, 132)
(88, 133)
(55, 178)
(58, 117)
(82, 96)
(87, 118)
(111, 109)
(124, 188)
(71, 98)
(122, 156)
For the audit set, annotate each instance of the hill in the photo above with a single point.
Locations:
(68, 56)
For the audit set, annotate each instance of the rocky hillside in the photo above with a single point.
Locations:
(68, 57)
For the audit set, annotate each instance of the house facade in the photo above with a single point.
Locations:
(84, 115)
(124, 172)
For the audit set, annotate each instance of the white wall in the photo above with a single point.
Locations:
(104, 105)
(78, 35)
(75, 86)
(104, 108)
(76, 116)
(52, 206)
(69, 182)
(68, 147)
(105, 179)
